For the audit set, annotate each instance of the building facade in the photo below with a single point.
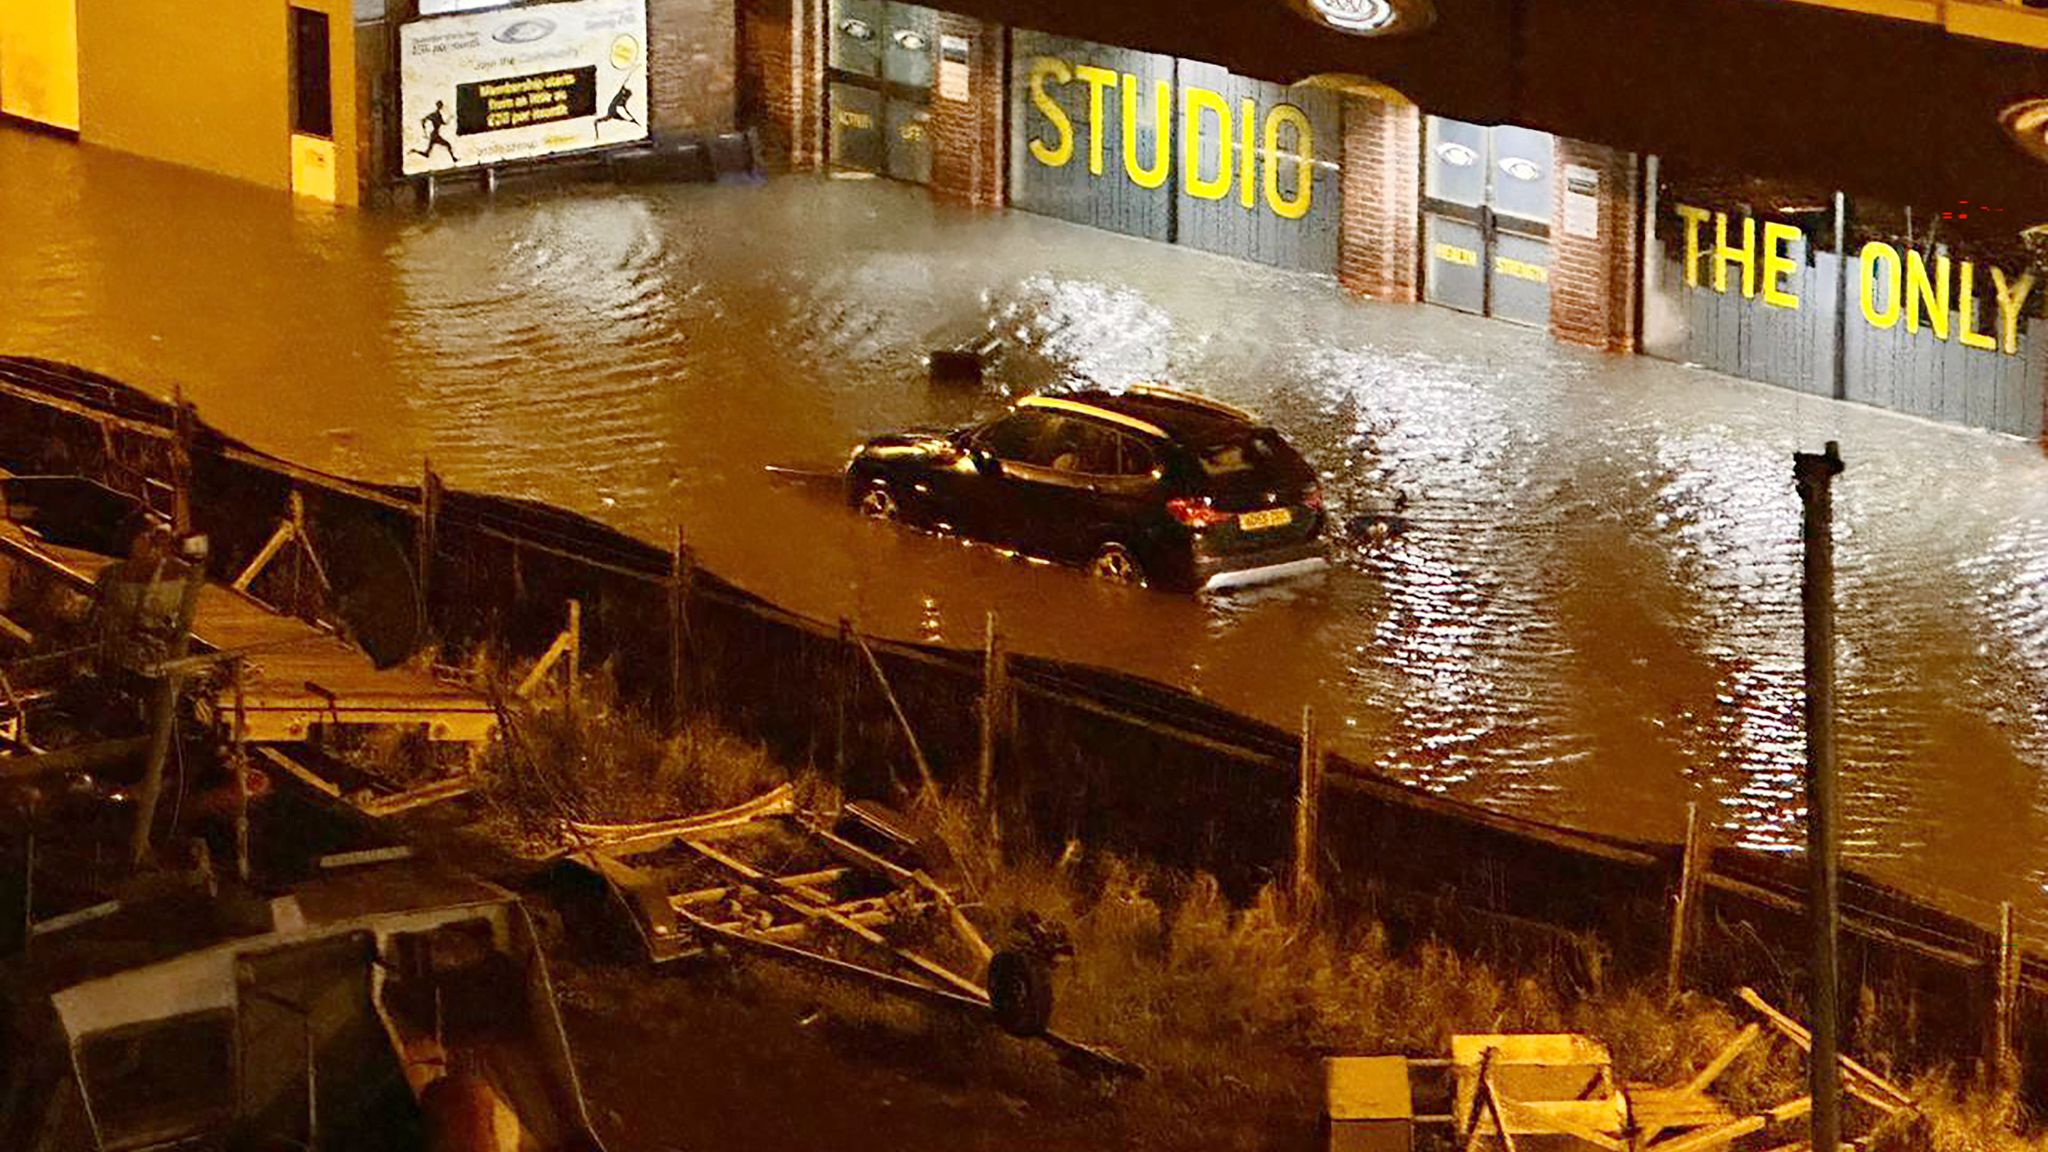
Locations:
(345, 100)
(1519, 159)
(1785, 281)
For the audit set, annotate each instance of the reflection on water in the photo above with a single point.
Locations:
(1583, 604)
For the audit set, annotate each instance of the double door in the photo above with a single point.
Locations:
(880, 72)
(1486, 220)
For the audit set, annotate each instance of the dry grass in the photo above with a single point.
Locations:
(594, 759)
(1228, 1005)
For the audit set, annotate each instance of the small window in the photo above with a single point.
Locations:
(312, 81)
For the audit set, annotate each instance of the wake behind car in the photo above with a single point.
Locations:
(1147, 486)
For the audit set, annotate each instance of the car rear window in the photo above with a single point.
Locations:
(1257, 452)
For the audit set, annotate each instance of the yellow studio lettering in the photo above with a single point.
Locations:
(1873, 254)
(2011, 298)
(1056, 154)
(1304, 178)
(1693, 217)
(1247, 153)
(1162, 133)
(1966, 323)
(1097, 79)
(1931, 293)
(1194, 102)
(1777, 265)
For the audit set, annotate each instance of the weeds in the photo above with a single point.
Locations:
(1229, 1005)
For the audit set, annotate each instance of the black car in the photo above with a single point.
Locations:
(1146, 486)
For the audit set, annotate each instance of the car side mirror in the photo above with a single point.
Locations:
(985, 462)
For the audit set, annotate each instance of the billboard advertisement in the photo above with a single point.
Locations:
(517, 83)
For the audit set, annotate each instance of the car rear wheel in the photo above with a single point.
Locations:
(1115, 564)
(878, 503)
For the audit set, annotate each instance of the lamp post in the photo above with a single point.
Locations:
(1814, 475)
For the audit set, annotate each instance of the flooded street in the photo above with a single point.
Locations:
(1591, 617)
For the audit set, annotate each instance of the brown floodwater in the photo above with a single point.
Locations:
(1591, 616)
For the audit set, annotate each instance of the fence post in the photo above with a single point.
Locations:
(575, 652)
(1689, 863)
(1308, 817)
(682, 578)
(2005, 1058)
(427, 543)
(995, 708)
(841, 686)
(182, 419)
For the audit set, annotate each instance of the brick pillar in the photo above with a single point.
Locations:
(1593, 278)
(967, 136)
(1377, 248)
(690, 66)
(782, 79)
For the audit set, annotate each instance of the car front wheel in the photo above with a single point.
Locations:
(1116, 564)
(878, 503)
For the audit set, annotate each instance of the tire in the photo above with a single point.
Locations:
(1020, 991)
(878, 502)
(1116, 564)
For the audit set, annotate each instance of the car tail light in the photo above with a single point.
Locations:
(1196, 513)
(1313, 498)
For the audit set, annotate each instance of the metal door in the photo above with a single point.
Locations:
(881, 70)
(1486, 220)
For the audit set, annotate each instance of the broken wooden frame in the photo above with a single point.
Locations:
(824, 904)
(1683, 1117)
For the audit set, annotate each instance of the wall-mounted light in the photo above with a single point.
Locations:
(2027, 124)
(1521, 169)
(1456, 155)
(1369, 17)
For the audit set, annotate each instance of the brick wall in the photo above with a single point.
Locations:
(691, 67)
(967, 136)
(1593, 279)
(782, 79)
(1377, 254)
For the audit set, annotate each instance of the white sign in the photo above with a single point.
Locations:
(492, 87)
(1582, 201)
(953, 55)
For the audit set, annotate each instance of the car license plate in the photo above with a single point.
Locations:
(1269, 518)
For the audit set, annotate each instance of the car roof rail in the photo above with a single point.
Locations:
(1162, 392)
(1082, 408)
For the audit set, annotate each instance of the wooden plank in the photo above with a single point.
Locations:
(435, 793)
(1861, 1082)
(298, 771)
(1722, 1059)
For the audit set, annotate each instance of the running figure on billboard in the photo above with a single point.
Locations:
(617, 111)
(433, 122)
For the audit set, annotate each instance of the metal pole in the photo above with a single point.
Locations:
(1814, 475)
(238, 759)
(164, 706)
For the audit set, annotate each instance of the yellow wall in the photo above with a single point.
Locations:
(39, 61)
(207, 85)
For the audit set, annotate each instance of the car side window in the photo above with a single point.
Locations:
(1022, 437)
(1084, 447)
(1134, 457)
